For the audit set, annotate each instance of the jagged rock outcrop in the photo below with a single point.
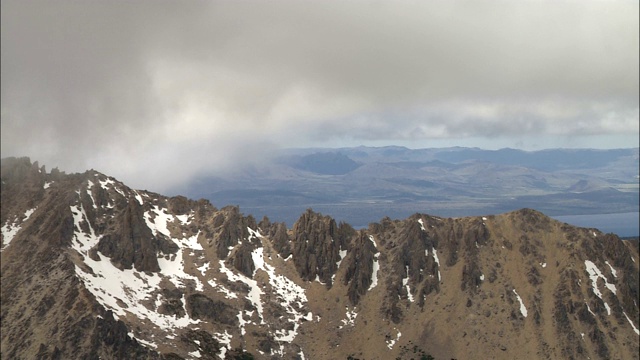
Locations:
(316, 244)
(172, 303)
(242, 260)
(201, 342)
(231, 227)
(202, 307)
(359, 264)
(280, 239)
(133, 244)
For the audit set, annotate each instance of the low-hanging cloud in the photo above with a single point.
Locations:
(157, 92)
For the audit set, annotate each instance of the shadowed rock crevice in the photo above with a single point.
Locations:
(359, 267)
(133, 245)
(241, 259)
(563, 310)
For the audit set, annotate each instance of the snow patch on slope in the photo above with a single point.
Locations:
(376, 266)
(203, 269)
(173, 267)
(254, 290)
(351, 318)
(82, 241)
(225, 340)
(227, 293)
(594, 274)
(157, 220)
(342, 254)
(392, 342)
(613, 271)
(635, 329)
(437, 260)
(405, 283)
(421, 224)
(11, 229)
(184, 219)
(106, 183)
(122, 291)
(89, 187)
(144, 342)
(435, 252)
(138, 197)
(523, 309)
(589, 309)
(291, 296)
(373, 241)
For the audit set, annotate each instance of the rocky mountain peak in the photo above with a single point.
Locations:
(101, 270)
(316, 246)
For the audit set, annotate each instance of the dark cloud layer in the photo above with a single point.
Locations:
(156, 92)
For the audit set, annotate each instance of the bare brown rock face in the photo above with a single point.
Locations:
(93, 269)
(201, 307)
(242, 260)
(316, 242)
(359, 267)
(172, 303)
(230, 227)
(281, 241)
(133, 244)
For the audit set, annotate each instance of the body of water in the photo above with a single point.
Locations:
(622, 224)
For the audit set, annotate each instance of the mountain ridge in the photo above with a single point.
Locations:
(169, 277)
(450, 182)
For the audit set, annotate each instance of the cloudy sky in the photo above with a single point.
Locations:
(155, 92)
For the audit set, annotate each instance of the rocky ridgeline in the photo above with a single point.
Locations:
(94, 269)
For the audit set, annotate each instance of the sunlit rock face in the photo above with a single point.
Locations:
(94, 269)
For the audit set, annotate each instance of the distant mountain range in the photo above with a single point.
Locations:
(93, 269)
(362, 184)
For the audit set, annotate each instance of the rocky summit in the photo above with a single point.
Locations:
(92, 269)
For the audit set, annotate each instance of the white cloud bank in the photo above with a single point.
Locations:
(156, 92)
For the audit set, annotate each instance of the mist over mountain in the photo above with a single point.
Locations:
(92, 268)
(360, 185)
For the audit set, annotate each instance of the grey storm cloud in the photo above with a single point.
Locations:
(156, 92)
